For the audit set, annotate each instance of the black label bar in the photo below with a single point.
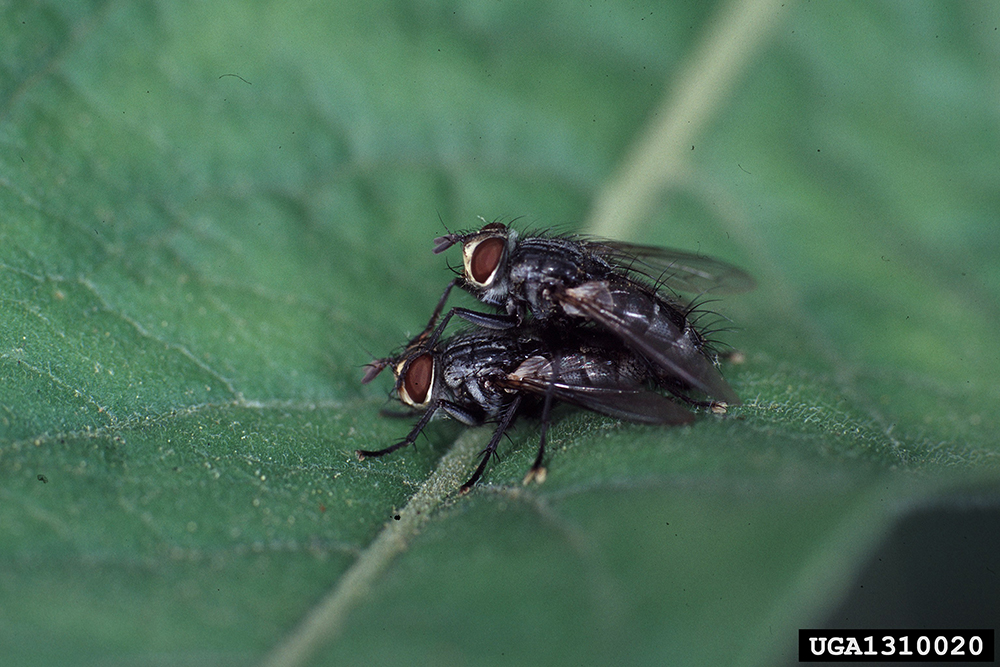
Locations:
(896, 646)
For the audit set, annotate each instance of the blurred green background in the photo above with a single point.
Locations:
(213, 214)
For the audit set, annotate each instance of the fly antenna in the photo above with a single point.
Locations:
(442, 243)
(441, 220)
(373, 368)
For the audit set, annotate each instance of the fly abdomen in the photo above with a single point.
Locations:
(597, 368)
(653, 328)
(650, 312)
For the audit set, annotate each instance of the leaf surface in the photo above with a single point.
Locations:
(213, 215)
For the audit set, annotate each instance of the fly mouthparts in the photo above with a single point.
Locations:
(442, 243)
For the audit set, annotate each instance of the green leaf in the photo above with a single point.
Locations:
(213, 214)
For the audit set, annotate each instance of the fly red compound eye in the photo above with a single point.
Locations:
(417, 380)
(483, 259)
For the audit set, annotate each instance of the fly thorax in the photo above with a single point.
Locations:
(536, 279)
(486, 394)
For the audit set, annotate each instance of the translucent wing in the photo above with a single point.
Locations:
(650, 327)
(595, 384)
(676, 269)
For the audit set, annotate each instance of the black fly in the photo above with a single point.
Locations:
(487, 375)
(565, 281)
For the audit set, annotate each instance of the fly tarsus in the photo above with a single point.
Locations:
(537, 472)
(363, 454)
(410, 438)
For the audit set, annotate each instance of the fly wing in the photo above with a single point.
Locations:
(676, 269)
(650, 327)
(580, 380)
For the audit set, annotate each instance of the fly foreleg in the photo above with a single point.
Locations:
(432, 332)
(411, 437)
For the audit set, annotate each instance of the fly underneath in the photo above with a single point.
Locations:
(486, 375)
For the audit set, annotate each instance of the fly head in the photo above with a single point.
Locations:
(485, 255)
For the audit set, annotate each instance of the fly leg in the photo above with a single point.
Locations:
(449, 408)
(538, 472)
(375, 367)
(487, 320)
(411, 437)
(437, 310)
(491, 448)
(432, 332)
(484, 320)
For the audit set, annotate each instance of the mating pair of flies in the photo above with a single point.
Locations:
(594, 323)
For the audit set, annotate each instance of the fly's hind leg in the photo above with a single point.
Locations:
(538, 472)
